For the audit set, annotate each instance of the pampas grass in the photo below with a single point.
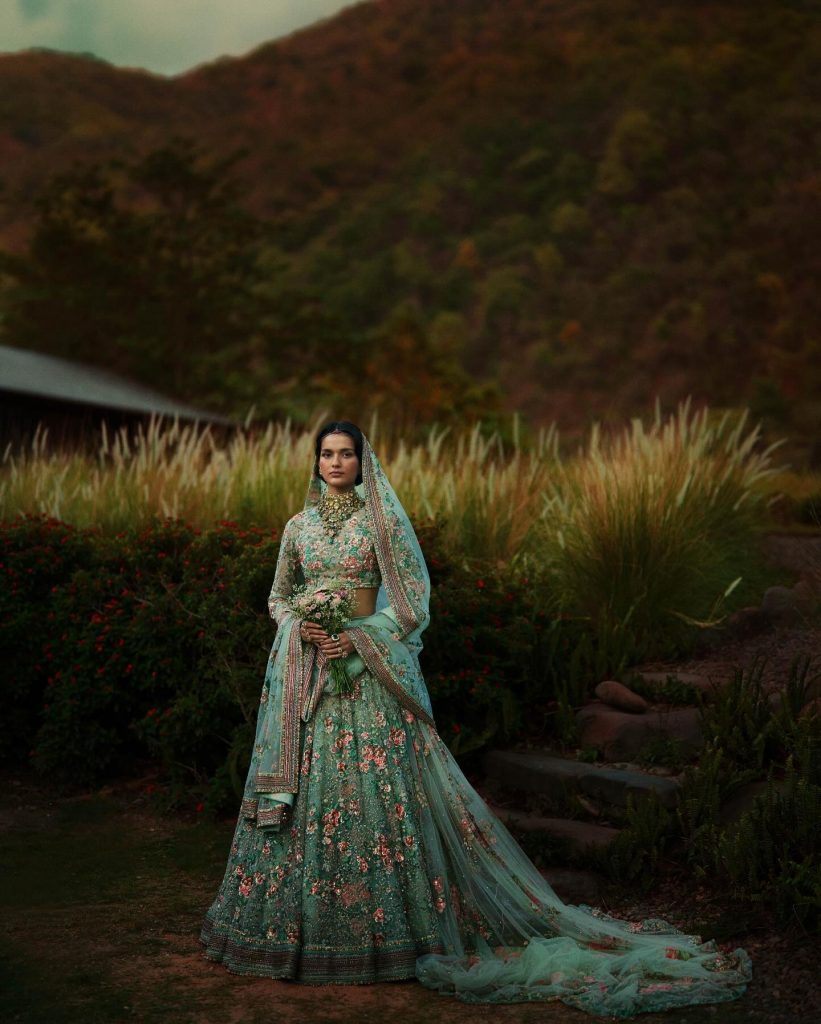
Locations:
(487, 500)
(648, 530)
(654, 529)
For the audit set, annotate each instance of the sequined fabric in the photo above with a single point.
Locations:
(392, 866)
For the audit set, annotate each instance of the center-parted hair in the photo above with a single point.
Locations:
(340, 427)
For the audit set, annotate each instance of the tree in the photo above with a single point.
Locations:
(413, 375)
(151, 268)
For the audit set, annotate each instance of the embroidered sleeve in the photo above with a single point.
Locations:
(288, 573)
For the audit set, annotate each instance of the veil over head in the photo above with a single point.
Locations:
(388, 643)
(505, 934)
(405, 578)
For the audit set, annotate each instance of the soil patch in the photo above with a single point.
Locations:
(102, 902)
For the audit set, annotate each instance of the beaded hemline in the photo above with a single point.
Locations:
(309, 967)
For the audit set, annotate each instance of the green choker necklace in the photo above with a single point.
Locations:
(336, 508)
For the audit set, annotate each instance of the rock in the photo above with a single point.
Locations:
(557, 777)
(580, 834)
(621, 735)
(592, 808)
(573, 886)
(617, 695)
(774, 699)
(812, 707)
(731, 810)
(708, 640)
(806, 596)
(779, 603)
(747, 621)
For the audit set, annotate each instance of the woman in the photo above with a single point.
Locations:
(362, 853)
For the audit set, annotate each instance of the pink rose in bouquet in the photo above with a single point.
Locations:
(331, 608)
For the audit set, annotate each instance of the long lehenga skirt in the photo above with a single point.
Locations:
(389, 865)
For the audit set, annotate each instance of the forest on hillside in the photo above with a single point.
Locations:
(437, 212)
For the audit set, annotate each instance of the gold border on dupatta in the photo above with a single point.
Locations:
(373, 659)
(286, 778)
(272, 816)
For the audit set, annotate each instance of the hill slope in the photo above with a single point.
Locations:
(591, 202)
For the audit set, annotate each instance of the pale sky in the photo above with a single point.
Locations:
(165, 36)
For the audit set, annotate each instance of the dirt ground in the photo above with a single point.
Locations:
(102, 901)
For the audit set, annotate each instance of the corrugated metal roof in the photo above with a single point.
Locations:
(33, 373)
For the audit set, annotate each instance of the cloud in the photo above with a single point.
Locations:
(33, 8)
(166, 36)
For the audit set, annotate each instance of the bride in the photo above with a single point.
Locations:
(362, 853)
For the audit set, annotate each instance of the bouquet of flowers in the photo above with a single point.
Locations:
(331, 608)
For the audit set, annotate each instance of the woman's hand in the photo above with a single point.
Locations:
(340, 648)
(337, 648)
(346, 644)
(314, 633)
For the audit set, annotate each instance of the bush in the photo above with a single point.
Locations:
(648, 534)
(37, 556)
(157, 639)
(739, 718)
(497, 664)
(157, 625)
(768, 855)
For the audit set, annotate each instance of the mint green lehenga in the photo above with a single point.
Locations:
(363, 854)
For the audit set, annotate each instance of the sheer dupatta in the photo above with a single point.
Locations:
(389, 640)
(387, 643)
(507, 936)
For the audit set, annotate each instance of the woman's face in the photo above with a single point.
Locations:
(338, 462)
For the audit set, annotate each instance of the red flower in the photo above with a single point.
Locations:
(199, 807)
(480, 584)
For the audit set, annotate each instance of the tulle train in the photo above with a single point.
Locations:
(390, 865)
(533, 946)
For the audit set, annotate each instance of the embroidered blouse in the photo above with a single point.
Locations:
(309, 554)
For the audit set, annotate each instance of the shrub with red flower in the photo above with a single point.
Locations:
(151, 645)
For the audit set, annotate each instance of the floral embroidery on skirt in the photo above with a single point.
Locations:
(390, 865)
(342, 892)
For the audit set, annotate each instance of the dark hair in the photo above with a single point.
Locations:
(340, 427)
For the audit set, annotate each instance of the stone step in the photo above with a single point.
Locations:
(558, 777)
(620, 735)
(574, 885)
(581, 835)
(698, 682)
